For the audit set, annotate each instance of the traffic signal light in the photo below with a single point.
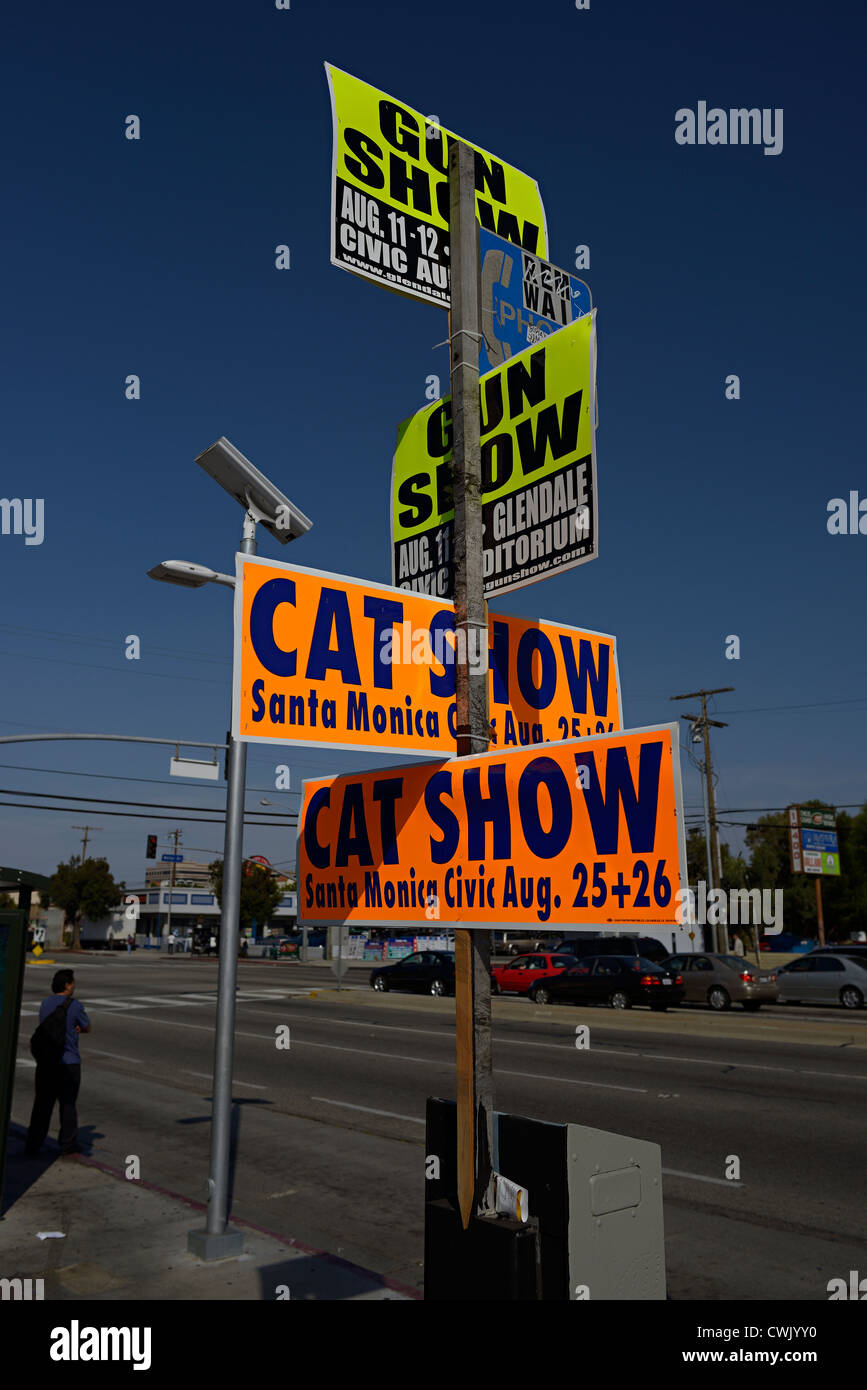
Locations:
(151, 852)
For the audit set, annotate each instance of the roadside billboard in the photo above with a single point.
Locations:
(813, 844)
(325, 660)
(524, 299)
(390, 193)
(539, 509)
(585, 832)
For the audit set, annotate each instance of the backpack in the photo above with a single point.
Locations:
(49, 1040)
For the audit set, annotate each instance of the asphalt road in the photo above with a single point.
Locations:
(330, 1131)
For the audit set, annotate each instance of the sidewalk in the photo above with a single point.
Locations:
(128, 1240)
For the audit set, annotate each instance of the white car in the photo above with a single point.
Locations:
(820, 978)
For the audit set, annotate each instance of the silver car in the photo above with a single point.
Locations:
(824, 979)
(719, 981)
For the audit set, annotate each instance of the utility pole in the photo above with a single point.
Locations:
(173, 835)
(475, 1115)
(702, 723)
(87, 829)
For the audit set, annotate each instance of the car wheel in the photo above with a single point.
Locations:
(380, 983)
(719, 998)
(619, 1000)
(751, 1005)
(540, 995)
(495, 988)
(437, 988)
(851, 997)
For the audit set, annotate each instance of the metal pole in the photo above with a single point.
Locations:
(176, 834)
(217, 1241)
(472, 948)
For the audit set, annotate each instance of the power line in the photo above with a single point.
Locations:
(94, 666)
(152, 815)
(120, 777)
(111, 642)
(120, 801)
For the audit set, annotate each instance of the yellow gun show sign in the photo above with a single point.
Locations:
(390, 193)
(585, 832)
(324, 660)
(538, 472)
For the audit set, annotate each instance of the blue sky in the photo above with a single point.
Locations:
(156, 257)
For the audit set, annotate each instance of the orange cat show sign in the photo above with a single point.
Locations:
(325, 660)
(588, 831)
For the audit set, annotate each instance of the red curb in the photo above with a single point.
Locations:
(294, 1244)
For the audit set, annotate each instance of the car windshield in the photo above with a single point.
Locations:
(736, 962)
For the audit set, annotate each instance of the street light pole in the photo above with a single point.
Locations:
(217, 1241)
(262, 502)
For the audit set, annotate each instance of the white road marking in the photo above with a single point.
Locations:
(430, 1061)
(98, 1052)
(699, 1177)
(163, 999)
(745, 1066)
(572, 1081)
(208, 1076)
(114, 1004)
(368, 1110)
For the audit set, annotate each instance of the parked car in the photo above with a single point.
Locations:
(431, 972)
(824, 979)
(517, 944)
(620, 981)
(854, 950)
(581, 944)
(720, 980)
(520, 974)
(786, 941)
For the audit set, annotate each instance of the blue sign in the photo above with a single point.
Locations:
(820, 840)
(524, 299)
(172, 858)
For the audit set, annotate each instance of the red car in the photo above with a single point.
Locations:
(525, 971)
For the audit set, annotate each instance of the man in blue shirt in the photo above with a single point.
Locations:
(59, 1081)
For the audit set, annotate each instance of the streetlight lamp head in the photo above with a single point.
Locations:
(189, 575)
(183, 572)
(243, 481)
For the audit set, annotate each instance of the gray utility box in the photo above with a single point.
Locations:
(595, 1198)
(616, 1240)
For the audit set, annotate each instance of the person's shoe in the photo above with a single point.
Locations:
(70, 1153)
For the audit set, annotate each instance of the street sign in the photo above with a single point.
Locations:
(585, 832)
(390, 193)
(810, 817)
(194, 767)
(538, 472)
(325, 660)
(172, 858)
(524, 299)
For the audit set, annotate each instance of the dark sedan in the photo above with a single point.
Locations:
(620, 981)
(428, 972)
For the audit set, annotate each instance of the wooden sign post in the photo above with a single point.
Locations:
(472, 948)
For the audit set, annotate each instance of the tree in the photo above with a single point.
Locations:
(86, 889)
(260, 892)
